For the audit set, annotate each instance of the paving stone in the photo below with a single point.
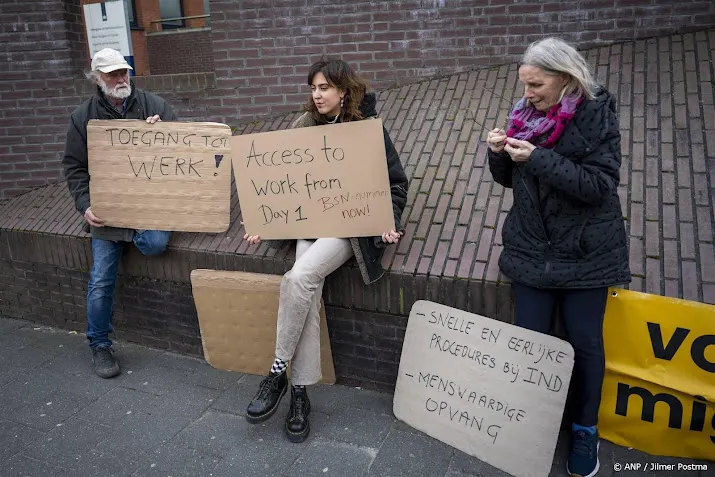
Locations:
(177, 461)
(45, 411)
(185, 402)
(259, 458)
(329, 398)
(15, 437)
(179, 362)
(214, 433)
(28, 384)
(86, 385)
(359, 427)
(9, 325)
(408, 455)
(113, 407)
(332, 459)
(26, 356)
(21, 466)
(401, 426)
(71, 360)
(209, 377)
(141, 432)
(155, 379)
(68, 442)
(104, 465)
(133, 357)
(14, 338)
(51, 339)
(465, 464)
(8, 374)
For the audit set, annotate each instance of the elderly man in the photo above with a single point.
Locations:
(115, 98)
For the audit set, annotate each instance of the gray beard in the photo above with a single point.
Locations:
(116, 92)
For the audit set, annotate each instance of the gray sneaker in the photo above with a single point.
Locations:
(105, 364)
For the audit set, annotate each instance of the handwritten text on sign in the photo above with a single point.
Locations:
(322, 181)
(164, 176)
(489, 388)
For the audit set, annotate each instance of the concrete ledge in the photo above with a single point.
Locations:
(45, 258)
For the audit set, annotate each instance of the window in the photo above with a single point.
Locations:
(171, 9)
(131, 13)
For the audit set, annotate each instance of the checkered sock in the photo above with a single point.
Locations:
(279, 366)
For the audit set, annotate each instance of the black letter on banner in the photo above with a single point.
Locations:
(656, 339)
(697, 351)
(649, 401)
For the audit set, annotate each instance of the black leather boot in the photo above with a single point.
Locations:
(269, 395)
(297, 426)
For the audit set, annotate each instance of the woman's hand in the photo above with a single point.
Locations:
(391, 237)
(495, 140)
(252, 239)
(520, 151)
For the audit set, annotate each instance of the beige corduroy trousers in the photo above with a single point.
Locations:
(298, 331)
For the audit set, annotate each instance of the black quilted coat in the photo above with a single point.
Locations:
(566, 229)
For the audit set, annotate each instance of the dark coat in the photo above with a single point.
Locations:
(566, 228)
(140, 105)
(369, 250)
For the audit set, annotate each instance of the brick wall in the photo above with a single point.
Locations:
(180, 51)
(42, 44)
(75, 34)
(262, 49)
(160, 313)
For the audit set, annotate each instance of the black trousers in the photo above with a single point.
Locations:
(582, 312)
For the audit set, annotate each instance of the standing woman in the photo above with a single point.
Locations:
(564, 238)
(338, 95)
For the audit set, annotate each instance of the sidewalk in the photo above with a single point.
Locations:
(169, 415)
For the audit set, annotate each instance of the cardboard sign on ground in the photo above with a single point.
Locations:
(322, 181)
(165, 176)
(659, 389)
(491, 389)
(238, 313)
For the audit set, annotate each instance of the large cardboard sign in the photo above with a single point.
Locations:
(238, 314)
(165, 176)
(322, 181)
(659, 390)
(491, 389)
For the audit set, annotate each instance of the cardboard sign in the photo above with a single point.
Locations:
(659, 390)
(165, 176)
(491, 389)
(322, 181)
(238, 313)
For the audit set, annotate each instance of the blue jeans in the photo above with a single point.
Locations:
(106, 255)
(582, 311)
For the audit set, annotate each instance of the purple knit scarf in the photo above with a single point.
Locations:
(527, 123)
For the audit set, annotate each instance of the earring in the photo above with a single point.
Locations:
(342, 101)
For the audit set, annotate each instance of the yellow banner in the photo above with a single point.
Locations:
(659, 390)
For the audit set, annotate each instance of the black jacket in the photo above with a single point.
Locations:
(140, 105)
(566, 228)
(369, 250)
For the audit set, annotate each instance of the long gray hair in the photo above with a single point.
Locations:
(93, 76)
(555, 56)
